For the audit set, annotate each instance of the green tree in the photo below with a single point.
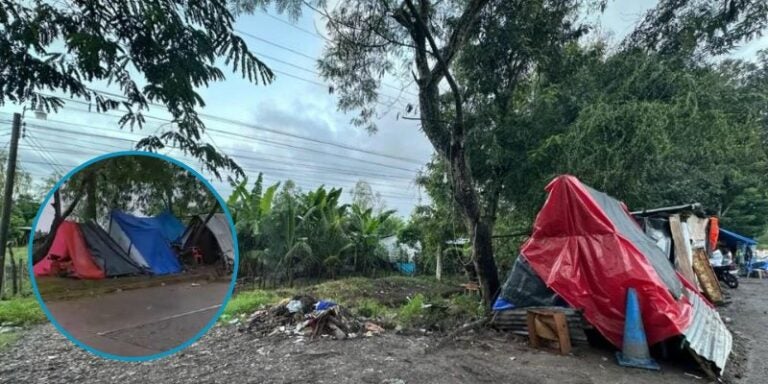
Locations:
(158, 51)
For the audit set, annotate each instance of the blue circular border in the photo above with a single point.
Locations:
(194, 338)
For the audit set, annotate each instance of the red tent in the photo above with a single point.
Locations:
(69, 255)
(587, 250)
(581, 253)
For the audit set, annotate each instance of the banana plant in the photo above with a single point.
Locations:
(364, 230)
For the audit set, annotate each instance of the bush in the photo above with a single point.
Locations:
(371, 308)
(466, 305)
(412, 311)
(21, 311)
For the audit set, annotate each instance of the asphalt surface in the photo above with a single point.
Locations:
(141, 322)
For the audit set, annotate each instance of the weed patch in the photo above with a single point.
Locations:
(249, 301)
(21, 311)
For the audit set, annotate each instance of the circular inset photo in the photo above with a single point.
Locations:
(133, 256)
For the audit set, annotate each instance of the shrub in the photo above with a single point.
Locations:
(412, 311)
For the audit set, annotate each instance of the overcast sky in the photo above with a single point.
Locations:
(290, 105)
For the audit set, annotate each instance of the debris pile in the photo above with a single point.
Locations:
(305, 316)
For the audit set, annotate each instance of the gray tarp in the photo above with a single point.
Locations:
(107, 254)
(627, 227)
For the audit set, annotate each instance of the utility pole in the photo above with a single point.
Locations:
(10, 176)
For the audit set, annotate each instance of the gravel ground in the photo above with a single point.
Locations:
(224, 355)
(749, 313)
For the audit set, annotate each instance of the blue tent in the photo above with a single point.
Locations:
(734, 240)
(148, 239)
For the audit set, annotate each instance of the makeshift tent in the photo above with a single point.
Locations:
(148, 239)
(69, 255)
(85, 251)
(215, 238)
(588, 250)
(107, 253)
(734, 240)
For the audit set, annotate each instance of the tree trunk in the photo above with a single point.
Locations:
(439, 263)
(91, 206)
(479, 230)
(448, 138)
(59, 216)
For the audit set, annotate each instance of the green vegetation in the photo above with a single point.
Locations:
(371, 308)
(286, 233)
(21, 311)
(412, 311)
(247, 302)
(19, 254)
(410, 302)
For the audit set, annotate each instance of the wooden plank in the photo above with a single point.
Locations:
(549, 325)
(706, 275)
(563, 336)
(682, 264)
(533, 337)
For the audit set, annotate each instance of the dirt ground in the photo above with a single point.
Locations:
(41, 355)
(749, 314)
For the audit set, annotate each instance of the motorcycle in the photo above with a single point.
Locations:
(728, 274)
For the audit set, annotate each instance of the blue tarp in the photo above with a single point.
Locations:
(152, 237)
(733, 239)
(407, 268)
(172, 228)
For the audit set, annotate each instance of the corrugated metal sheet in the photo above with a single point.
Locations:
(707, 334)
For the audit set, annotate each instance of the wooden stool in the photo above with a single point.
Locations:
(551, 326)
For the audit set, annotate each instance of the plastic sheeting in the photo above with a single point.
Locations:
(107, 254)
(407, 268)
(69, 255)
(584, 249)
(733, 239)
(658, 230)
(151, 237)
(524, 288)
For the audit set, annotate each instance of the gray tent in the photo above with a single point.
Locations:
(216, 238)
(107, 254)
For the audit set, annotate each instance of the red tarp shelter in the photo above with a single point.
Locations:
(588, 250)
(69, 255)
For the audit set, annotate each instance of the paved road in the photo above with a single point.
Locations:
(141, 322)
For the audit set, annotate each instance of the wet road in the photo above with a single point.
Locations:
(141, 322)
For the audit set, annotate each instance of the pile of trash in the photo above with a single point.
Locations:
(305, 316)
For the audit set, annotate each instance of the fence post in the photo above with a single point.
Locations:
(14, 283)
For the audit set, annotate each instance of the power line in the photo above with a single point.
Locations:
(29, 137)
(270, 130)
(292, 25)
(59, 130)
(290, 173)
(236, 135)
(317, 35)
